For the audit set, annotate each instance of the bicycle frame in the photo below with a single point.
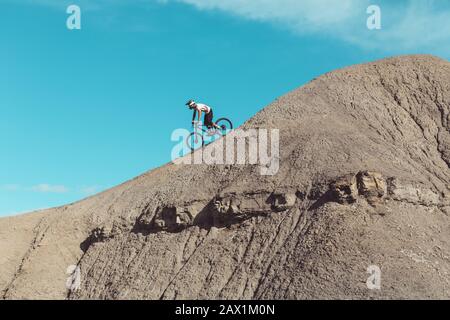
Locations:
(199, 125)
(201, 130)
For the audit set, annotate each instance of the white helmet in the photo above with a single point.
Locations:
(190, 103)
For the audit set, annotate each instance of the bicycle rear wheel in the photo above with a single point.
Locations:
(195, 141)
(225, 125)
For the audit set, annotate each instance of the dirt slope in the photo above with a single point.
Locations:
(364, 180)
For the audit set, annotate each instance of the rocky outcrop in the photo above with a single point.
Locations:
(375, 188)
(99, 234)
(170, 218)
(412, 192)
(234, 207)
(367, 184)
(371, 185)
(254, 203)
(344, 190)
(223, 210)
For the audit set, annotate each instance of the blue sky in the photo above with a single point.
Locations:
(84, 110)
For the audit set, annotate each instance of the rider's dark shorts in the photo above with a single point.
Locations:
(208, 121)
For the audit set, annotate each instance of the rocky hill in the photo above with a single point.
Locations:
(363, 180)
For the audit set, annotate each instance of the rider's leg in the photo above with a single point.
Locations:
(208, 119)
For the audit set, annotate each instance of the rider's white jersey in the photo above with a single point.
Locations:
(203, 107)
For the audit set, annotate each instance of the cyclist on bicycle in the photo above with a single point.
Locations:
(200, 108)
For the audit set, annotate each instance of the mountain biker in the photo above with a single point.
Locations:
(200, 108)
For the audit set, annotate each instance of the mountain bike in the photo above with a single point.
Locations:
(197, 138)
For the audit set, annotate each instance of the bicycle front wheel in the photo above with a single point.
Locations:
(195, 141)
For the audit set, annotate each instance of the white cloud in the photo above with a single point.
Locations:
(90, 190)
(406, 25)
(422, 24)
(47, 188)
(303, 16)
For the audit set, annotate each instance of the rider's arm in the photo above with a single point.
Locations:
(195, 113)
(199, 115)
